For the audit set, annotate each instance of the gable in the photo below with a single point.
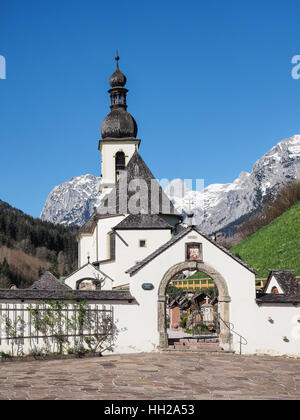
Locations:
(87, 271)
(271, 284)
(284, 280)
(195, 237)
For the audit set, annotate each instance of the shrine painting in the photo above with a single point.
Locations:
(194, 252)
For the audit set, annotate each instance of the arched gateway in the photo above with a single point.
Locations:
(223, 299)
(189, 250)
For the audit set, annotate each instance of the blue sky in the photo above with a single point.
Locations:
(210, 87)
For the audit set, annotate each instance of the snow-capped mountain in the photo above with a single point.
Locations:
(214, 207)
(219, 205)
(72, 202)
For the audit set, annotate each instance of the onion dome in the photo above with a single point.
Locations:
(119, 123)
(117, 79)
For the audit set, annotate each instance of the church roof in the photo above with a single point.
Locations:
(152, 198)
(67, 294)
(133, 270)
(272, 298)
(119, 124)
(287, 282)
(143, 221)
(48, 282)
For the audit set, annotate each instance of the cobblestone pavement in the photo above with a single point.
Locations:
(165, 376)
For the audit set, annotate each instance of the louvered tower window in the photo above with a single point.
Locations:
(120, 163)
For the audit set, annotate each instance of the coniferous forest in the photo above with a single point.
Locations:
(29, 247)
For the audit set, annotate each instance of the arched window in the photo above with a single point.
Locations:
(120, 161)
(85, 284)
(274, 290)
(111, 245)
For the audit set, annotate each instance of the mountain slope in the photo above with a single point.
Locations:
(215, 207)
(29, 246)
(275, 246)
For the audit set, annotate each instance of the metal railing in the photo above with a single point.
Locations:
(230, 326)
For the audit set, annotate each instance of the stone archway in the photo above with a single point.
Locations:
(224, 300)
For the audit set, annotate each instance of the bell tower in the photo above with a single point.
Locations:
(118, 131)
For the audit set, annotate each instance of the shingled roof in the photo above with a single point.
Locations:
(153, 200)
(286, 280)
(66, 294)
(48, 282)
(143, 221)
(272, 298)
(288, 283)
(133, 270)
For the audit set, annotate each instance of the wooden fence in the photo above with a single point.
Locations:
(205, 283)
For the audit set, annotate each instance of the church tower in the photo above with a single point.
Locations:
(118, 131)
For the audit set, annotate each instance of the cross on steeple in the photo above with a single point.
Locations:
(189, 212)
(117, 58)
(189, 202)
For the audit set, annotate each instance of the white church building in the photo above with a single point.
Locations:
(137, 241)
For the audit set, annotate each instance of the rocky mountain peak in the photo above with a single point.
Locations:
(215, 207)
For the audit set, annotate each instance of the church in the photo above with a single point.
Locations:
(135, 216)
(136, 241)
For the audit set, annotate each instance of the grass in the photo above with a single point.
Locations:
(275, 246)
(198, 275)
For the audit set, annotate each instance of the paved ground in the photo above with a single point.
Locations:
(153, 376)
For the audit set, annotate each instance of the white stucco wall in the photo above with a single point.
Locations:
(104, 227)
(96, 245)
(87, 248)
(144, 322)
(249, 319)
(108, 152)
(140, 320)
(272, 324)
(128, 251)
